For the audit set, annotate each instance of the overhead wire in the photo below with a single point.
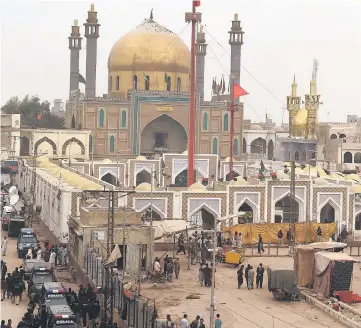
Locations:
(245, 69)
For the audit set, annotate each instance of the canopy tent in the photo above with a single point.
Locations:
(323, 259)
(323, 245)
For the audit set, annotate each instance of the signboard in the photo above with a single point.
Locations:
(133, 259)
(164, 108)
(12, 165)
(98, 235)
(358, 198)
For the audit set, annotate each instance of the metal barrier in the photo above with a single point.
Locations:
(135, 312)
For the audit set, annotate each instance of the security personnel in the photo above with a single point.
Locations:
(94, 310)
(42, 316)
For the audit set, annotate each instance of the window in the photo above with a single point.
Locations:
(110, 83)
(205, 122)
(90, 144)
(117, 83)
(135, 82)
(297, 156)
(169, 83)
(235, 146)
(112, 144)
(215, 146)
(123, 119)
(146, 83)
(304, 156)
(101, 118)
(179, 84)
(225, 123)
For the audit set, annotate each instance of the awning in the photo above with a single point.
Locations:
(322, 260)
(324, 245)
(168, 227)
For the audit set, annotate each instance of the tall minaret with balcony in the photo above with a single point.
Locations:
(235, 41)
(201, 51)
(92, 35)
(75, 47)
(293, 106)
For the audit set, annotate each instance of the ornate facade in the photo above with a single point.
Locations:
(146, 110)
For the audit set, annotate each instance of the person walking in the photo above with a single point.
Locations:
(201, 274)
(169, 323)
(260, 245)
(250, 278)
(64, 255)
(38, 254)
(170, 269)
(184, 321)
(280, 238)
(181, 247)
(240, 276)
(259, 275)
(52, 258)
(246, 273)
(4, 246)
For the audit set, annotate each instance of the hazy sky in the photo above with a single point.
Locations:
(281, 38)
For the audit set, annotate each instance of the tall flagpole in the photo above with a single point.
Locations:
(232, 108)
(193, 17)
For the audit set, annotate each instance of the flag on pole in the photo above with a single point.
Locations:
(223, 86)
(214, 85)
(145, 78)
(238, 91)
(81, 79)
(220, 86)
(197, 3)
(166, 78)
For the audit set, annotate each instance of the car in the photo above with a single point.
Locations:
(61, 316)
(26, 231)
(16, 223)
(26, 241)
(29, 264)
(53, 293)
(40, 275)
(8, 211)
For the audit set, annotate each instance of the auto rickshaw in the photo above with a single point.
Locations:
(231, 255)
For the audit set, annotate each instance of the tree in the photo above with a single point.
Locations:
(34, 114)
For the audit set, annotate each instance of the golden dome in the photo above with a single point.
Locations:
(141, 158)
(197, 187)
(299, 123)
(149, 50)
(144, 186)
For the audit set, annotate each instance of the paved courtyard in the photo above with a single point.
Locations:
(237, 307)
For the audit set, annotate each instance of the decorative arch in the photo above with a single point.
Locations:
(205, 209)
(342, 136)
(304, 156)
(244, 146)
(101, 118)
(179, 84)
(135, 82)
(235, 147)
(169, 83)
(112, 144)
(69, 141)
(117, 83)
(297, 156)
(225, 123)
(110, 83)
(49, 141)
(357, 158)
(73, 121)
(333, 136)
(299, 206)
(205, 121)
(143, 176)
(347, 157)
(157, 213)
(246, 201)
(258, 146)
(326, 206)
(24, 146)
(110, 178)
(358, 221)
(123, 119)
(147, 82)
(215, 146)
(270, 150)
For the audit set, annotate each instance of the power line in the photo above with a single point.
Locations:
(245, 69)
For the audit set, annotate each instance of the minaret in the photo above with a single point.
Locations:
(201, 51)
(236, 41)
(91, 34)
(74, 46)
(293, 106)
(312, 104)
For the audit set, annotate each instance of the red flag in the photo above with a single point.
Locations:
(238, 91)
(38, 117)
(197, 3)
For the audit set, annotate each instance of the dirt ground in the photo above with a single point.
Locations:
(237, 307)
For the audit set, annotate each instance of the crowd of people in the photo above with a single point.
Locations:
(248, 274)
(12, 284)
(198, 322)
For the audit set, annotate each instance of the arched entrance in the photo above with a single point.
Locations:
(181, 180)
(347, 157)
(284, 210)
(270, 150)
(207, 219)
(248, 216)
(109, 178)
(151, 213)
(333, 136)
(357, 158)
(244, 146)
(358, 222)
(143, 176)
(258, 146)
(163, 134)
(73, 122)
(327, 214)
(234, 175)
(24, 146)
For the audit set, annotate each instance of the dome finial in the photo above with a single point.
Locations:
(151, 14)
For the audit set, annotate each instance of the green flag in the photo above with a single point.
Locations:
(166, 78)
(145, 77)
(81, 79)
